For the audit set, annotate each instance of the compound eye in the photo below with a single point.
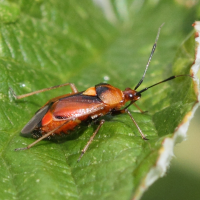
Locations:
(130, 96)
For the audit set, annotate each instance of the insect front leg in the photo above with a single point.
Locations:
(128, 112)
(133, 103)
(73, 88)
(139, 108)
(91, 139)
(141, 133)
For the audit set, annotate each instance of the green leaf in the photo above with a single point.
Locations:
(46, 43)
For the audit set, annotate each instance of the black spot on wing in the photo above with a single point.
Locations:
(101, 88)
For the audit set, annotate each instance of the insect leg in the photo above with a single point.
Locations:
(131, 103)
(73, 88)
(125, 110)
(139, 108)
(141, 133)
(41, 138)
(90, 140)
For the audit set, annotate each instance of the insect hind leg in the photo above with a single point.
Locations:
(43, 137)
(72, 85)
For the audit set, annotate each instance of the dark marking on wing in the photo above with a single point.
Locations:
(32, 124)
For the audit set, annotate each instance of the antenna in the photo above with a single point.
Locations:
(149, 60)
(168, 79)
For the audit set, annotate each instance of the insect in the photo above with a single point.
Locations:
(66, 112)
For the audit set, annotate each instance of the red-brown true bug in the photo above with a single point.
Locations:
(64, 113)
